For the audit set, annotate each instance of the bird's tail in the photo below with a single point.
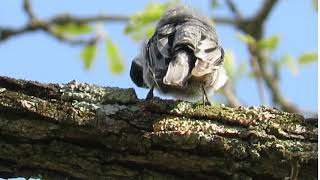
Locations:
(178, 70)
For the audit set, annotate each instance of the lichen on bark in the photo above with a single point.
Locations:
(82, 131)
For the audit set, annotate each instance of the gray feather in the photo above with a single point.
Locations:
(178, 71)
(187, 35)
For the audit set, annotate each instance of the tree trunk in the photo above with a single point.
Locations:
(81, 131)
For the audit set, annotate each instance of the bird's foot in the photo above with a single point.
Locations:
(150, 94)
(207, 103)
(205, 99)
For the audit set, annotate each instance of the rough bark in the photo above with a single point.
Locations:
(81, 131)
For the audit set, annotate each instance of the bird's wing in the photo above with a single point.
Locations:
(187, 36)
(164, 39)
(209, 55)
(180, 65)
(159, 52)
(136, 73)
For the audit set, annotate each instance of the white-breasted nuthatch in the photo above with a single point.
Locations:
(183, 58)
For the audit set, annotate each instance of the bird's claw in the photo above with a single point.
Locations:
(150, 94)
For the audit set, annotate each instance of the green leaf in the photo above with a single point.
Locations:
(116, 62)
(150, 31)
(309, 57)
(269, 43)
(290, 63)
(215, 3)
(147, 32)
(88, 54)
(129, 29)
(251, 75)
(246, 38)
(229, 63)
(150, 14)
(72, 28)
(240, 70)
(315, 4)
(233, 70)
(143, 23)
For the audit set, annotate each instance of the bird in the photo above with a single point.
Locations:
(183, 58)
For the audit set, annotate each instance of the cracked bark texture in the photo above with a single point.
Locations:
(82, 131)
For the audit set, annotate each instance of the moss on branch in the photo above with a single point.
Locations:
(82, 131)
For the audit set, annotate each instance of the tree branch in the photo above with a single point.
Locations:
(257, 73)
(265, 10)
(271, 83)
(28, 9)
(34, 25)
(233, 8)
(254, 27)
(224, 20)
(67, 18)
(81, 131)
(230, 95)
(46, 25)
(6, 33)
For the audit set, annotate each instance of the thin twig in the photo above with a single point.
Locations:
(230, 95)
(224, 20)
(28, 9)
(277, 97)
(67, 18)
(233, 8)
(256, 70)
(34, 25)
(254, 26)
(265, 10)
(6, 33)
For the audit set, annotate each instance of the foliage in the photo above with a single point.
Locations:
(289, 62)
(315, 4)
(308, 57)
(116, 62)
(215, 3)
(142, 24)
(89, 51)
(88, 54)
(234, 71)
(246, 38)
(270, 43)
